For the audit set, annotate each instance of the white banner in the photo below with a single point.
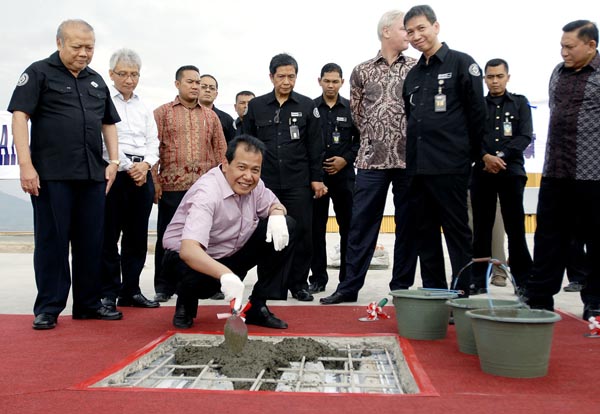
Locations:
(9, 165)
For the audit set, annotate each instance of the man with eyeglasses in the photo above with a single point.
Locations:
(129, 203)
(288, 123)
(63, 171)
(209, 90)
(191, 143)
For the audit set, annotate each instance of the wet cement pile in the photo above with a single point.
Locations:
(256, 356)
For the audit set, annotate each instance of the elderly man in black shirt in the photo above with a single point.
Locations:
(446, 113)
(70, 109)
(500, 173)
(288, 124)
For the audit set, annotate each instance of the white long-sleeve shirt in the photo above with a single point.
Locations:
(137, 130)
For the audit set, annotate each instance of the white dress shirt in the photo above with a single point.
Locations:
(137, 130)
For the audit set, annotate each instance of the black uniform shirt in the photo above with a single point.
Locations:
(509, 131)
(288, 163)
(444, 142)
(239, 127)
(67, 115)
(342, 138)
(226, 123)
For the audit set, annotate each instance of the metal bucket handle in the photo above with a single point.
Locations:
(488, 275)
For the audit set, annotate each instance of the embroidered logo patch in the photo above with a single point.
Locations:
(23, 79)
(316, 113)
(474, 69)
(94, 84)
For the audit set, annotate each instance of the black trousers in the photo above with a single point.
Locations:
(441, 201)
(340, 193)
(567, 210)
(68, 213)
(271, 283)
(299, 205)
(486, 188)
(127, 210)
(370, 193)
(164, 281)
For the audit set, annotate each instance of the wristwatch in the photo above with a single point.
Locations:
(116, 162)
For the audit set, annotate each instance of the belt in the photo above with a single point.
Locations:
(135, 158)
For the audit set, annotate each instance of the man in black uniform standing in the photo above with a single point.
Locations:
(288, 124)
(342, 141)
(500, 173)
(70, 109)
(446, 113)
(242, 99)
(209, 90)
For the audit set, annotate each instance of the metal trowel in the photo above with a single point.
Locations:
(236, 331)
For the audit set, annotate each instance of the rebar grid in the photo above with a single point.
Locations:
(367, 366)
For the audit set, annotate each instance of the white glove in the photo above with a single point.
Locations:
(233, 288)
(277, 231)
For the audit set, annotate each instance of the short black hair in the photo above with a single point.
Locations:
(244, 93)
(586, 30)
(282, 59)
(250, 143)
(331, 67)
(422, 10)
(206, 75)
(496, 62)
(182, 69)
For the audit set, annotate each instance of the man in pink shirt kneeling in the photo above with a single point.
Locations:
(227, 223)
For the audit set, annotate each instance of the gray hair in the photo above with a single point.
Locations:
(60, 35)
(387, 20)
(126, 57)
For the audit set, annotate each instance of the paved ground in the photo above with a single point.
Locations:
(18, 284)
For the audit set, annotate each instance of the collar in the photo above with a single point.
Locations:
(507, 96)
(320, 101)
(594, 64)
(118, 95)
(440, 55)
(272, 98)
(379, 58)
(176, 102)
(54, 60)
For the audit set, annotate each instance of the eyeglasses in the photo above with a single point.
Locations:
(125, 75)
(208, 87)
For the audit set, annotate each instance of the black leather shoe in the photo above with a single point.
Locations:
(303, 296)
(473, 290)
(263, 317)
(337, 297)
(44, 321)
(182, 319)
(138, 301)
(316, 288)
(162, 297)
(590, 310)
(110, 303)
(218, 296)
(103, 313)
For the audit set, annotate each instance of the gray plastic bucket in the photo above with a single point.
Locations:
(462, 323)
(422, 314)
(515, 342)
